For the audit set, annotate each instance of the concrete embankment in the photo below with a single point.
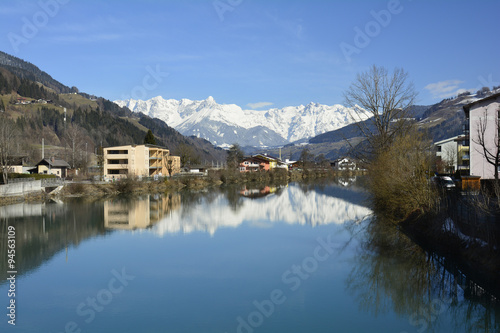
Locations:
(20, 188)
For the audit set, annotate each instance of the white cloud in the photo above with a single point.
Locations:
(445, 89)
(259, 105)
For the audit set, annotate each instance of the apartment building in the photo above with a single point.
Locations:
(139, 161)
(447, 152)
(484, 123)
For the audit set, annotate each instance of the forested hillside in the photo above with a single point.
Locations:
(25, 70)
(73, 125)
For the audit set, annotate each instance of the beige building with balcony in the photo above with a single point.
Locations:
(139, 161)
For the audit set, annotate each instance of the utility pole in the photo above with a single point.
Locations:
(86, 158)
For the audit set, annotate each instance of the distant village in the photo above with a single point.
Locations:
(25, 101)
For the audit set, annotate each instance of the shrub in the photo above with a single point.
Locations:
(76, 188)
(126, 185)
(398, 177)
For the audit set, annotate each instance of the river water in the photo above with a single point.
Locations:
(299, 258)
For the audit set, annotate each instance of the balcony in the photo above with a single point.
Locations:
(116, 156)
(116, 167)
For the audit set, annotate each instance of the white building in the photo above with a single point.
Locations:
(483, 113)
(447, 151)
(344, 163)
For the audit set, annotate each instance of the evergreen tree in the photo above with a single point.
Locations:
(150, 138)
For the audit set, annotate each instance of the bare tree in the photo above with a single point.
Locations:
(75, 139)
(386, 99)
(170, 165)
(234, 156)
(449, 158)
(306, 158)
(489, 144)
(8, 140)
(187, 154)
(100, 161)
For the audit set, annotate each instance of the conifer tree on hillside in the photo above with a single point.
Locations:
(150, 138)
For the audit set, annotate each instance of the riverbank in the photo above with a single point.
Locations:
(195, 182)
(436, 232)
(32, 197)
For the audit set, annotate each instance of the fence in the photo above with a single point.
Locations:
(474, 216)
(51, 182)
(20, 180)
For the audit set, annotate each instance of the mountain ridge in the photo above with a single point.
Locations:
(226, 124)
(26, 70)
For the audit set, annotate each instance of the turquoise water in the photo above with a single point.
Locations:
(292, 259)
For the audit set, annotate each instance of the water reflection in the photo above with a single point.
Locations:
(292, 205)
(393, 274)
(258, 192)
(127, 213)
(43, 230)
(193, 279)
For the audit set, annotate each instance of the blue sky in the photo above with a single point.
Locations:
(254, 53)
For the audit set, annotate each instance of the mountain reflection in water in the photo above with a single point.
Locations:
(292, 205)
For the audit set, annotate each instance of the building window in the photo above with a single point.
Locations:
(118, 161)
(438, 149)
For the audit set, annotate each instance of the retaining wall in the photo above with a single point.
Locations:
(23, 188)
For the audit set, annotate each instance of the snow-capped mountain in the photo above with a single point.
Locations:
(226, 124)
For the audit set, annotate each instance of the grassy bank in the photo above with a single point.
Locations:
(215, 178)
(218, 178)
(32, 197)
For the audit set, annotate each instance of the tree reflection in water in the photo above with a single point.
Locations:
(392, 272)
